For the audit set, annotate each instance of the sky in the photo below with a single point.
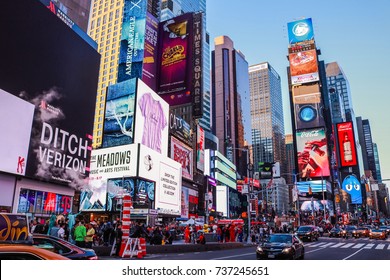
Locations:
(354, 33)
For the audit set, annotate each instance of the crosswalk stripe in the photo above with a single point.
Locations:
(380, 246)
(369, 246)
(337, 245)
(359, 245)
(348, 245)
(326, 245)
(388, 247)
(316, 244)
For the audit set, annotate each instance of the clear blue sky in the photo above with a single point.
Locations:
(355, 33)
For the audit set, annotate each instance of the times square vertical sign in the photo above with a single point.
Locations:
(197, 61)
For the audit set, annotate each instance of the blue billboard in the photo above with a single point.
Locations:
(353, 187)
(300, 30)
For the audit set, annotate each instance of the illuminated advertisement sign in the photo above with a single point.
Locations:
(182, 154)
(175, 59)
(300, 30)
(167, 174)
(16, 117)
(131, 53)
(151, 121)
(346, 140)
(307, 106)
(63, 93)
(352, 186)
(150, 53)
(179, 128)
(189, 202)
(115, 162)
(197, 98)
(303, 67)
(317, 186)
(312, 154)
(222, 194)
(200, 145)
(119, 115)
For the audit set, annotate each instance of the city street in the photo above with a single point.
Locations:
(324, 249)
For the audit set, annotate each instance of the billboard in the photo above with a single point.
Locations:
(308, 106)
(353, 187)
(346, 141)
(197, 83)
(59, 77)
(317, 186)
(300, 30)
(150, 51)
(175, 59)
(200, 145)
(131, 53)
(222, 195)
(179, 128)
(182, 154)
(312, 153)
(118, 126)
(303, 67)
(167, 174)
(151, 120)
(16, 117)
(189, 202)
(114, 162)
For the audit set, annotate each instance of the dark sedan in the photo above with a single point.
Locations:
(335, 232)
(281, 246)
(309, 233)
(63, 247)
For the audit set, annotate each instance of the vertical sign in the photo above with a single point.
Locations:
(346, 142)
(197, 60)
(150, 52)
(200, 148)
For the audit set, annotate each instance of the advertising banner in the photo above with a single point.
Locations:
(119, 115)
(222, 200)
(312, 154)
(59, 77)
(346, 141)
(131, 53)
(236, 200)
(150, 53)
(179, 128)
(16, 117)
(115, 162)
(317, 186)
(182, 154)
(308, 106)
(303, 67)
(200, 145)
(189, 202)
(352, 186)
(151, 121)
(167, 174)
(175, 59)
(300, 30)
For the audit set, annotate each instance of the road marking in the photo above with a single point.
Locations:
(358, 246)
(348, 245)
(233, 256)
(369, 246)
(337, 245)
(388, 247)
(316, 244)
(327, 244)
(353, 254)
(380, 246)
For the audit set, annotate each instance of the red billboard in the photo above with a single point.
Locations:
(346, 143)
(312, 153)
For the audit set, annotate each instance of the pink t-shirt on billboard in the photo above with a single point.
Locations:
(155, 121)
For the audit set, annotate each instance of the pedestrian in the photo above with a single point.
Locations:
(118, 238)
(187, 233)
(201, 239)
(89, 236)
(61, 231)
(54, 230)
(79, 233)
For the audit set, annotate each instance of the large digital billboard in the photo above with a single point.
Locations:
(308, 106)
(300, 30)
(175, 59)
(312, 153)
(353, 187)
(149, 68)
(347, 148)
(131, 54)
(303, 67)
(200, 145)
(58, 75)
(151, 120)
(182, 154)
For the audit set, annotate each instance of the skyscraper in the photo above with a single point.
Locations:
(173, 8)
(266, 115)
(230, 95)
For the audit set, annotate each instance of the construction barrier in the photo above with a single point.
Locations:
(142, 242)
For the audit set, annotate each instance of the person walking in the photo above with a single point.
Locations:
(80, 233)
(89, 236)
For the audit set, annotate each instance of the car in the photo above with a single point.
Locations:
(361, 232)
(347, 231)
(377, 234)
(281, 246)
(309, 233)
(63, 247)
(27, 252)
(386, 229)
(335, 232)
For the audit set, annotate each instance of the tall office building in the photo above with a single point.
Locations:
(365, 138)
(229, 96)
(266, 115)
(173, 8)
(290, 159)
